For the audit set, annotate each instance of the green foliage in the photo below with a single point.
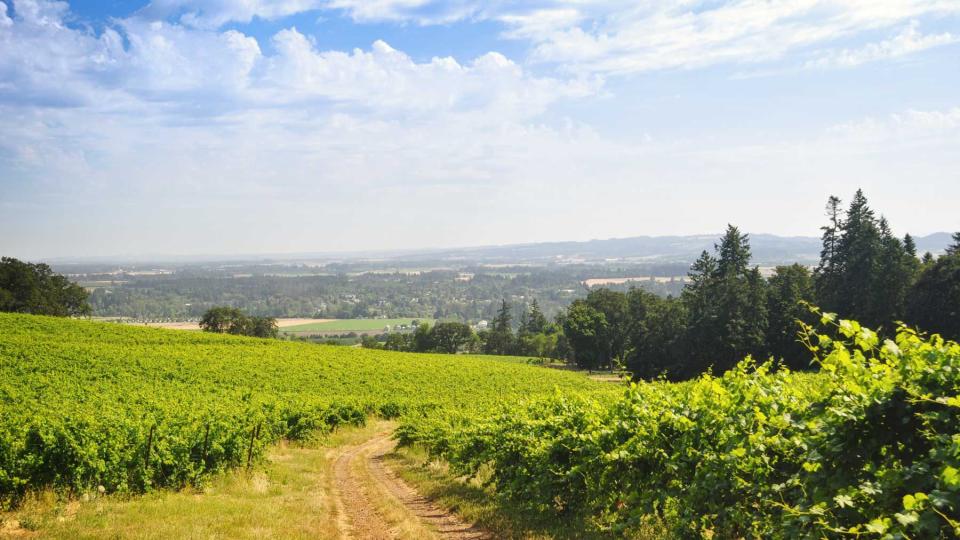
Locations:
(954, 248)
(865, 273)
(658, 335)
(869, 447)
(86, 404)
(228, 320)
(36, 289)
(584, 328)
(500, 338)
(726, 307)
(450, 337)
(788, 290)
(934, 302)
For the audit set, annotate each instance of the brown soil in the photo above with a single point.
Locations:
(355, 501)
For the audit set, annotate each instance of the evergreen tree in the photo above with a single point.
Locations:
(787, 289)
(702, 319)
(848, 273)
(536, 321)
(828, 272)
(726, 306)
(934, 301)
(865, 271)
(500, 339)
(861, 253)
(896, 272)
(910, 246)
(954, 248)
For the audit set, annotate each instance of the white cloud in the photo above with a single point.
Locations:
(914, 127)
(636, 38)
(5, 19)
(177, 123)
(212, 14)
(623, 36)
(910, 40)
(44, 61)
(389, 80)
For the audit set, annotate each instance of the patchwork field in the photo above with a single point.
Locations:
(340, 326)
(194, 325)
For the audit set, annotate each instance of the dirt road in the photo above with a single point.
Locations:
(373, 503)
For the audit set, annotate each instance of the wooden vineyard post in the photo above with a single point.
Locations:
(254, 433)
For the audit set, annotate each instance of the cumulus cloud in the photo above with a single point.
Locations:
(162, 101)
(168, 117)
(46, 61)
(386, 79)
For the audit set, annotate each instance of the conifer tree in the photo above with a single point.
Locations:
(726, 305)
(934, 301)
(536, 321)
(954, 248)
(787, 289)
(500, 339)
(896, 272)
(829, 270)
(910, 246)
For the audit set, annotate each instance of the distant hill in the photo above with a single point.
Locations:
(766, 248)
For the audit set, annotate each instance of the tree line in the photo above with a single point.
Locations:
(534, 336)
(728, 310)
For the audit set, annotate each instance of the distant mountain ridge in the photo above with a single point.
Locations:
(766, 249)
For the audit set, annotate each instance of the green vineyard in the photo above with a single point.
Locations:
(84, 404)
(868, 447)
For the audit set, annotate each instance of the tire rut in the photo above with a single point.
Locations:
(358, 515)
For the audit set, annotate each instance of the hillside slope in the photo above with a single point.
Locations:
(86, 404)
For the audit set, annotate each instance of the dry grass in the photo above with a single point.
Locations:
(281, 323)
(288, 498)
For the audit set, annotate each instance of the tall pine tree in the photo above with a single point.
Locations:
(828, 272)
(500, 339)
(726, 303)
(865, 271)
(954, 248)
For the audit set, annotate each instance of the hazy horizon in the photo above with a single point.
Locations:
(210, 128)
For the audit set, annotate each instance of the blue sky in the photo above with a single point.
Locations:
(220, 126)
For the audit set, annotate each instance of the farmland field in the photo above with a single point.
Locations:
(195, 325)
(332, 326)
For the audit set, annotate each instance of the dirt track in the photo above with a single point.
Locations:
(364, 486)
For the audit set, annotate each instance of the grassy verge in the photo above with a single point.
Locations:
(289, 497)
(477, 503)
